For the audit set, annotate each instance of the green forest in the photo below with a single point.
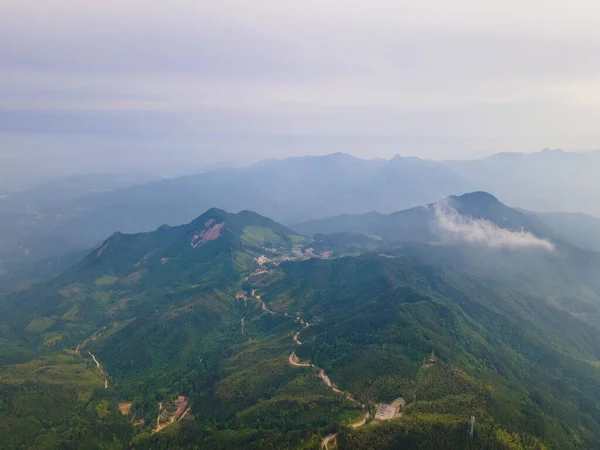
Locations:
(232, 313)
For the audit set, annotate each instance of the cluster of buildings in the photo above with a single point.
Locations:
(181, 404)
(175, 412)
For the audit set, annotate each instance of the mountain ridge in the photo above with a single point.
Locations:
(291, 190)
(212, 310)
(418, 223)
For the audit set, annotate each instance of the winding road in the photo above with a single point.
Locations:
(159, 426)
(327, 440)
(295, 362)
(296, 336)
(331, 437)
(101, 368)
(361, 422)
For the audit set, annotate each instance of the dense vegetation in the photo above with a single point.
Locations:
(209, 311)
(376, 319)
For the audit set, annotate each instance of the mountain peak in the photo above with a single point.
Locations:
(552, 150)
(477, 198)
(339, 155)
(215, 211)
(407, 159)
(211, 214)
(480, 204)
(211, 235)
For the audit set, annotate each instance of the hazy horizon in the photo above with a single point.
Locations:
(20, 172)
(97, 86)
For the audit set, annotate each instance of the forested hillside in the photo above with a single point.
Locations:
(374, 320)
(235, 332)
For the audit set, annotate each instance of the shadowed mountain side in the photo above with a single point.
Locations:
(426, 223)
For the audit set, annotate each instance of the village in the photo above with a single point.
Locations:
(172, 412)
(298, 251)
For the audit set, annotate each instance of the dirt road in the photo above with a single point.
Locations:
(327, 440)
(296, 341)
(293, 360)
(95, 360)
(361, 422)
(158, 424)
(92, 337)
(101, 368)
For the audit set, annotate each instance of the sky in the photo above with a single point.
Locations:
(95, 85)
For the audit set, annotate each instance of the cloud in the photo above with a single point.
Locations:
(455, 227)
(441, 80)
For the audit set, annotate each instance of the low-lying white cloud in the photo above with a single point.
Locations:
(455, 227)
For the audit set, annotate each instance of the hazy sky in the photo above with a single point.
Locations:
(145, 82)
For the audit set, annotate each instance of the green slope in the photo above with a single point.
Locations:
(216, 310)
(154, 308)
(376, 319)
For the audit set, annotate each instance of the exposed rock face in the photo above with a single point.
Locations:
(114, 236)
(101, 250)
(212, 231)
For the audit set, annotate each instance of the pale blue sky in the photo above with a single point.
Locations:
(140, 82)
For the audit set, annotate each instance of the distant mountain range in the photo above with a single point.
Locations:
(477, 222)
(63, 217)
(547, 181)
(582, 230)
(435, 221)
